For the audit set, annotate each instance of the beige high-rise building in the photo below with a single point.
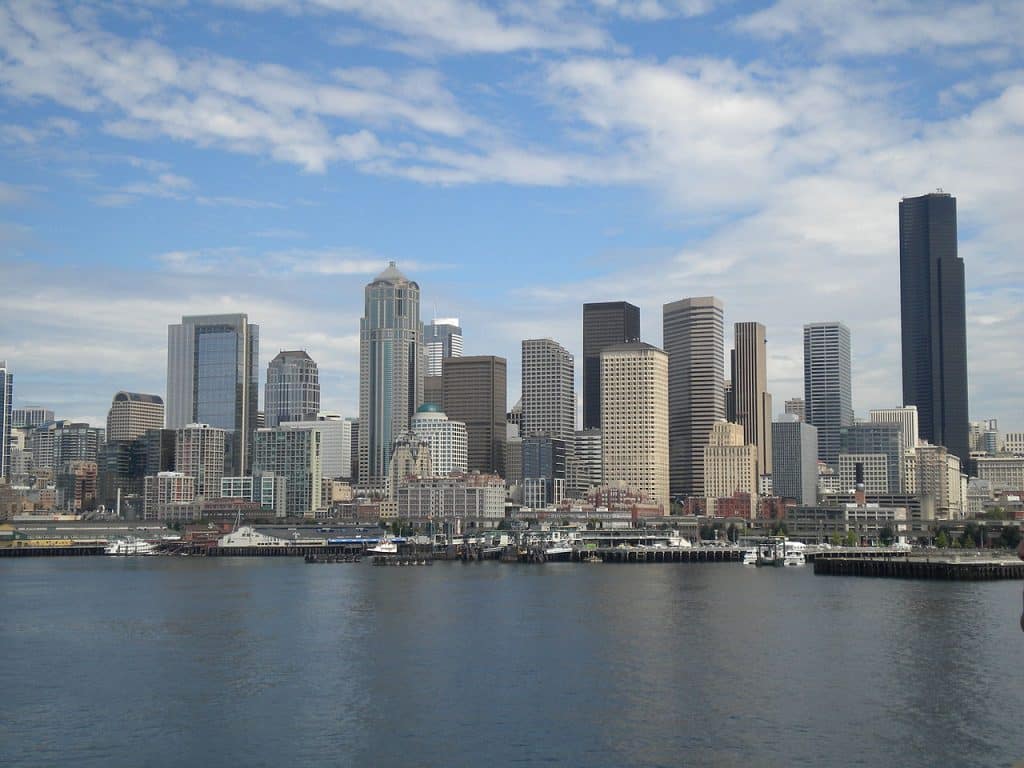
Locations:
(940, 480)
(199, 453)
(749, 393)
(730, 465)
(906, 417)
(132, 413)
(634, 419)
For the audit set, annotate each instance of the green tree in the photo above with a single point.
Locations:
(942, 540)
(886, 535)
(851, 539)
(733, 533)
(1010, 536)
(836, 540)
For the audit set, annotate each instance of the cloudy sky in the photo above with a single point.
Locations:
(516, 159)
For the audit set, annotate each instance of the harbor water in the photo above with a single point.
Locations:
(273, 662)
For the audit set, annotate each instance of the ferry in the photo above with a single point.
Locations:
(247, 536)
(385, 546)
(129, 547)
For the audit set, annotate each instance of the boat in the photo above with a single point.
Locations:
(385, 546)
(129, 547)
(247, 536)
(750, 557)
(794, 559)
(592, 559)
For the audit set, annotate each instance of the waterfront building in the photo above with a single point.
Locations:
(6, 419)
(132, 413)
(604, 323)
(730, 467)
(30, 417)
(795, 407)
(170, 496)
(820, 522)
(694, 343)
(876, 438)
(335, 443)
(544, 459)
(475, 394)
(447, 438)
(473, 501)
(1004, 472)
(752, 403)
(441, 339)
(292, 389)
(906, 417)
(295, 455)
(634, 419)
(828, 393)
(795, 460)
(213, 378)
(390, 370)
(548, 391)
(933, 320)
(199, 451)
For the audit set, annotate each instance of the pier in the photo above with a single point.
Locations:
(74, 550)
(911, 567)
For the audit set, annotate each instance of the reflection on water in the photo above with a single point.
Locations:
(271, 662)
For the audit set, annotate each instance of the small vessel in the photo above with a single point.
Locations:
(592, 559)
(385, 546)
(129, 547)
(750, 557)
(794, 559)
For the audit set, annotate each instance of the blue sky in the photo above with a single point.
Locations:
(517, 159)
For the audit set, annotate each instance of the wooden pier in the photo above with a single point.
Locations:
(910, 567)
(75, 550)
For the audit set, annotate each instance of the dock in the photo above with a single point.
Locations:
(914, 567)
(74, 550)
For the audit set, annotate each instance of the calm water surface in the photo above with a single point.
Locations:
(267, 662)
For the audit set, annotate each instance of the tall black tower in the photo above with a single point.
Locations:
(934, 321)
(604, 323)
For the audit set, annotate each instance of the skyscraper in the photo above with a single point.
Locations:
(6, 417)
(199, 452)
(390, 370)
(634, 419)
(828, 397)
(906, 417)
(441, 339)
(213, 378)
(30, 417)
(604, 323)
(131, 414)
(694, 341)
(752, 401)
(293, 388)
(795, 460)
(475, 394)
(549, 391)
(933, 320)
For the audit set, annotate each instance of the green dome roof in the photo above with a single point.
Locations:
(429, 408)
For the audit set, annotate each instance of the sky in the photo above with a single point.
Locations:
(164, 157)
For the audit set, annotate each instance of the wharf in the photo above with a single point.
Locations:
(911, 567)
(73, 550)
(291, 550)
(659, 554)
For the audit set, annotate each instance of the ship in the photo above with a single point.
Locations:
(129, 547)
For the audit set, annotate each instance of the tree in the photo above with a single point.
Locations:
(886, 535)
(836, 540)
(851, 539)
(942, 540)
(1010, 536)
(733, 533)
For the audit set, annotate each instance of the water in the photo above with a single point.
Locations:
(268, 662)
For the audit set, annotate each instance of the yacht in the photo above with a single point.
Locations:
(794, 558)
(129, 546)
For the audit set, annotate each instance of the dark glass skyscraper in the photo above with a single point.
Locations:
(605, 323)
(934, 320)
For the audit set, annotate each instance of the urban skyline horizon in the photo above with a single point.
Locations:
(779, 397)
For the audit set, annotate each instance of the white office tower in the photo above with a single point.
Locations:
(906, 417)
(448, 444)
(549, 391)
(335, 443)
(441, 339)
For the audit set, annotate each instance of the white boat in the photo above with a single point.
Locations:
(247, 536)
(129, 547)
(794, 559)
(385, 546)
(750, 557)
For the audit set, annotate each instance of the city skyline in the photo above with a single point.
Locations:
(558, 187)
